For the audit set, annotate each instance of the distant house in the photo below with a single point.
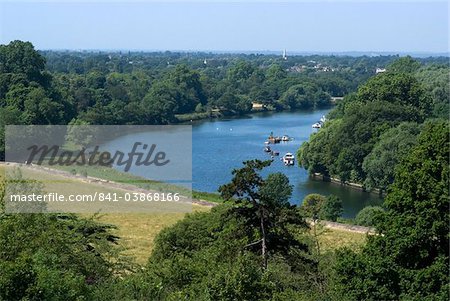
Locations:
(257, 106)
(380, 70)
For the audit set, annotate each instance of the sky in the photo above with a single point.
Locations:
(297, 26)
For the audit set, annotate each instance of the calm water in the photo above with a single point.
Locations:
(219, 146)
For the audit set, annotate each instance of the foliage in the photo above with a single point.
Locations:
(264, 204)
(362, 143)
(305, 96)
(393, 145)
(317, 206)
(435, 79)
(368, 216)
(331, 209)
(53, 257)
(409, 258)
(404, 65)
(218, 254)
(312, 205)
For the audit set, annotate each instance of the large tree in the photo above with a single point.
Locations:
(409, 257)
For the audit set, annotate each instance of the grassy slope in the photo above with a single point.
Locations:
(138, 230)
(122, 177)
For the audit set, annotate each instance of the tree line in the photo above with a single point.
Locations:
(372, 130)
(255, 246)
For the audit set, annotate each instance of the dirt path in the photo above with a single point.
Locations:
(132, 188)
(344, 227)
(98, 181)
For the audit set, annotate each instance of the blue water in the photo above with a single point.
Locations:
(219, 146)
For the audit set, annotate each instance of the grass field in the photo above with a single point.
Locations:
(138, 230)
(122, 177)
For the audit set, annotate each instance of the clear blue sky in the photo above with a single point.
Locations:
(332, 26)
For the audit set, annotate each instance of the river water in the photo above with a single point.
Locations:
(221, 145)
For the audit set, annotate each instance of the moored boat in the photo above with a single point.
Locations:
(274, 153)
(288, 159)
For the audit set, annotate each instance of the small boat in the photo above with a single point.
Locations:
(317, 125)
(267, 149)
(266, 142)
(274, 153)
(323, 119)
(288, 159)
(285, 138)
(273, 139)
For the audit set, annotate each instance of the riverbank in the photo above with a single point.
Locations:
(130, 184)
(139, 230)
(217, 114)
(114, 179)
(357, 186)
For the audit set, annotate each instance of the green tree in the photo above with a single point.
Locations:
(312, 205)
(409, 258)
(401, 88)
(368, 216)
(265, 211)
(404, 65)
(393, 145)
(20, 58)
(331, 209)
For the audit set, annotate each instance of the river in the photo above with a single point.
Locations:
(221, 145)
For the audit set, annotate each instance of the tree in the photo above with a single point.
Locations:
(401, 88)
(392, 146)
(409, 258)
(331, 209)
(47, 256)
(404, 65)
(265, 210)
(218, 254)
(317, 206)
(160, 103)
(340, 148)
(20, 58)
(434, 78)
(312, 205)
(369, 215)
(300, 96)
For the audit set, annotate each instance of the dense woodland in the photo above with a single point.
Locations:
(371, 130)
(256, 245)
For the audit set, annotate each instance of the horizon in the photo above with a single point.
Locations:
(257, 52)
(237, 27)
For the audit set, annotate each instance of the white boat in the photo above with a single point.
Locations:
(288, 159)
(323, 119)
(317, 125)
(285, 138)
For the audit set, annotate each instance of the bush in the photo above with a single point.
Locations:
(331, 209)
(317, 206)
(368, 215)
